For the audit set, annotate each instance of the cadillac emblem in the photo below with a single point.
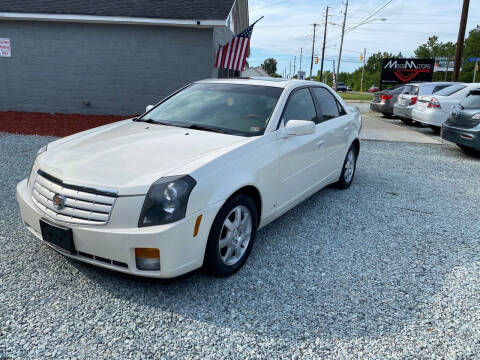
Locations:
(59, 201)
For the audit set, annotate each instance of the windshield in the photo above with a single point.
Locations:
(472, 101)
(227, 108)
(450, 90)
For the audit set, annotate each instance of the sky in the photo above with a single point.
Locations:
(398, 26)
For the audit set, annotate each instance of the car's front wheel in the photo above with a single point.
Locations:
(348, 170)
(231, 236)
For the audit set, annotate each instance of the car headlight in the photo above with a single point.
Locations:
(476, 116)
(39, 152)
(166, 200)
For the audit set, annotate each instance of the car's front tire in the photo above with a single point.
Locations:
(348, 170)
(231, 236)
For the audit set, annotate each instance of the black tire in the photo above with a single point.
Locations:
(387, 115)
(343, 182)
(407, 121)
(213, 263)
(436, 129)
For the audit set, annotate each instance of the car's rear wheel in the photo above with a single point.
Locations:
(407, 121)
(231, 236)
(387, 115)
(349, 168)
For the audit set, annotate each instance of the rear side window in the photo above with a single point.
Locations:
(329, 108)
(411, 90)
(439, 87)
(397, 90)
(450, 90)
(472, 101)
(300, 107)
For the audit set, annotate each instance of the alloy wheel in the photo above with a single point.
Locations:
(235, 235)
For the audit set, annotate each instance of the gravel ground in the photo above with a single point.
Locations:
(387, 269)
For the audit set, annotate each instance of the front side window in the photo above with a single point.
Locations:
(328, 104)
(300, 106)
(235, 109)
(472, 101)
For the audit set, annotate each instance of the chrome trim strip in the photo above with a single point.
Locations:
(91, 190)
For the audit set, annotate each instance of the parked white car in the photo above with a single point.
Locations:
(435, 109)
(189, 183)
(407, 100)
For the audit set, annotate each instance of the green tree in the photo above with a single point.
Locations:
(270, 66)
(471, 49)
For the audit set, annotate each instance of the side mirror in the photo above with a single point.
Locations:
(149, 107)
(299, 127)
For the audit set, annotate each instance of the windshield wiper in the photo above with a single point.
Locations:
(149, 121)
(210, 128)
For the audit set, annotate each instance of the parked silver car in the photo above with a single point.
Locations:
(383, 101)
(406, 101)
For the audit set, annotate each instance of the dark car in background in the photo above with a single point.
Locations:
(383, 101)
(341, 87)
(463, 125)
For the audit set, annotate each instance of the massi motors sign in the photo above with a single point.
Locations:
(400, 71)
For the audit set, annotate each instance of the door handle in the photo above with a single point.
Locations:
(320, 144)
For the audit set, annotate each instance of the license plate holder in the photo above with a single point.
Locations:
(58, 236)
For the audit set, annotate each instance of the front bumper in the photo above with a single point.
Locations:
(403, 112)
(465, 137)
(113, 247)
(428, 116)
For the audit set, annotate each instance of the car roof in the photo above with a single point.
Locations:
(436, 83)
(261, 81)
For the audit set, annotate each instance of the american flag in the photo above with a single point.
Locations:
(233, 54)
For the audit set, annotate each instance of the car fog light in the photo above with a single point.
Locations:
(147, 259)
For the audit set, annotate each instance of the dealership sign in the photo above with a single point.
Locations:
(400, 71)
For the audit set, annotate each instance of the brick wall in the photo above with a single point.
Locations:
(99, 68)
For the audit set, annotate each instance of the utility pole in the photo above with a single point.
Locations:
(363, 69)
(301, 51)
(461, 38)
(343, 33)
(324, 41)
(313, 50)
(446, 68)
(290, 71)
(475, 69)
(294, 64)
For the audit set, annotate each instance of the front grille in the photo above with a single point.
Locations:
(82, 205)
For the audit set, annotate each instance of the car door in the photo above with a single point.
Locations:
(299, 155)
(335, 126)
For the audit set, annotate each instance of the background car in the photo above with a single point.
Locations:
(383, 101)
(341, 87)
(434, 110)
(406, 101)
(373, 89)
(188, 183)
(349, 88)
(463, 125)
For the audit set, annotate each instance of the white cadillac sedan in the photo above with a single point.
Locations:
(190, 182)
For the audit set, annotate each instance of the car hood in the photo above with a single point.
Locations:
(130, 156)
